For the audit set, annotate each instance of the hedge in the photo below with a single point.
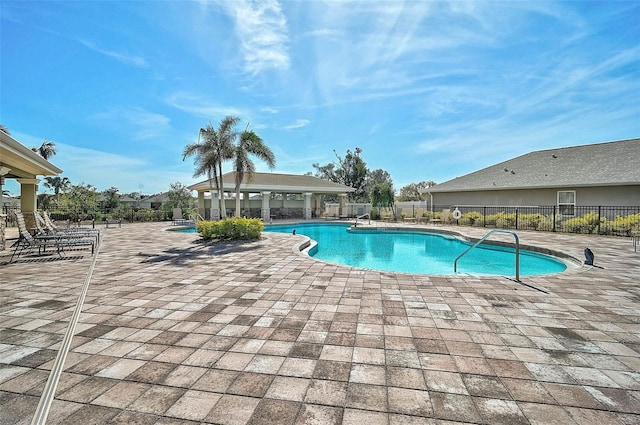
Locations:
(231, 229)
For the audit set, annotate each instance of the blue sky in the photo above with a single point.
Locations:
(429, 90)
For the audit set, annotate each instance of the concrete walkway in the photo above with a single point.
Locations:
(176, 332)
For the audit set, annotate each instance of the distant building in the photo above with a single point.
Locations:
(154, 202)
(606, 174)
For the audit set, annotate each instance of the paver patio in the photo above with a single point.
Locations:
(176, 332)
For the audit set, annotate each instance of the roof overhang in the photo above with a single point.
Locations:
(22, 161)
(294, 184)
(531, 187)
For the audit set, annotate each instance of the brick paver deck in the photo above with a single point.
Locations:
(176, 332)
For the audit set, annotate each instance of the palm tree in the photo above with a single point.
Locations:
(226, 138)
(46, 150)
(215, 148)
(205, 162)
(58, 184)
(249, 143)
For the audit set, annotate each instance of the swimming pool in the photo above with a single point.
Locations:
(416, 252)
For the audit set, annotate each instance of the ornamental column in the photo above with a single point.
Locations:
(307, 206)
(246, 200)
(3, 217)
(343, 205)
(201, 207)
(28, 201)
(215, 207)
(266, 210)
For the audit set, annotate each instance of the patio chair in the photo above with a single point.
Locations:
(51, 229)
(42, 242)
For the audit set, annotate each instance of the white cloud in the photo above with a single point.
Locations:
(140, 124)
(261, 28)
(105, 169)
(197, 105)
(122, 57)
(298, 124)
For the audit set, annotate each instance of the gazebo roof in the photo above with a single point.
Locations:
(22, 161)
(274, 182)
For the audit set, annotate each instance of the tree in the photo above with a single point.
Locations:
(350, 171)
(58, 184)
(375, 177)
(80, 198)
(111, 197)
(382, 196)
(215, 148)
(46, 150)
(179, 196)
(44, 201)
(249, 143)
(411, 192)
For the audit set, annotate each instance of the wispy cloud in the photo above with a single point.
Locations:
(140, 123)
(197, 105)
(127, 173)
(298, 124)
(138, 61)
(261, 28)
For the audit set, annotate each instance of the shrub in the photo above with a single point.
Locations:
(626, 224)
(530, 221)
(501, 220)
(231, 229)
(374, 214)
(585, 224)
(471, 218)
(428, 215)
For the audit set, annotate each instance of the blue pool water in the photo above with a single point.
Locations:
(416, 252)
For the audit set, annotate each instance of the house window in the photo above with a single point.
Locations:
(567, 202)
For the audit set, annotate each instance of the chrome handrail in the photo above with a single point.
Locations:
(362, 216)
(515, 235)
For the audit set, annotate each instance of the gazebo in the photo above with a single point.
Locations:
(24, 165)
(295, 193)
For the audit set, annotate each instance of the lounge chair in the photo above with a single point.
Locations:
(29, 243)
(47, 227)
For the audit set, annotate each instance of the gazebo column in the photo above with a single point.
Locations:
(266, 210)
(3, 217)
(343, 204)
(201, 206)
(307, 206)
(215, 207)
(247, 203)
(28, 200)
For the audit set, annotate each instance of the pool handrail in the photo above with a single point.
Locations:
(515, 235)
(361, 217)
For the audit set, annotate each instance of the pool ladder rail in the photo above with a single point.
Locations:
(362, 217)
(515, 236)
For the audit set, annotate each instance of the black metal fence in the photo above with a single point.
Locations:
(601, 220)
(96, 215)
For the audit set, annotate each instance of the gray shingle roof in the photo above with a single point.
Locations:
(601, 164)
(275, 181)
